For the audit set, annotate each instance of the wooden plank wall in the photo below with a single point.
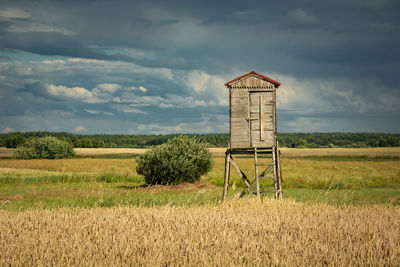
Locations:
(261, 115)
(239, 126)
(245, 118)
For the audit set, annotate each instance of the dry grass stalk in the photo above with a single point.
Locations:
(246, 232)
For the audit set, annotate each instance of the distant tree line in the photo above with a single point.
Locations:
(312, 140)
(299, 140)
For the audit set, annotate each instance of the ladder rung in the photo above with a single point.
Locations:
(266, 191)
(264, 164)
(262, 177)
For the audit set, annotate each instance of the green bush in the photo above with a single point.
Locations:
(181, 159)
(44, 148)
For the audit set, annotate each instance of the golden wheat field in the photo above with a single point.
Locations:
(241, 232)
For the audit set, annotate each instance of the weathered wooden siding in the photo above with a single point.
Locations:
(239, 109)
(262, 119)
(252, 112)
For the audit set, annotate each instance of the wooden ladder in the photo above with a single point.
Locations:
(274, 166)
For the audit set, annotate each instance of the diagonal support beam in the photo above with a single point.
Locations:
(262, 175)
(242, 175)
(266, 171)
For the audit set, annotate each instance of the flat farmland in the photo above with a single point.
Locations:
(108, 178)
(288, 152)
(340, 207)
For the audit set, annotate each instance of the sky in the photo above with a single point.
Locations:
(157, 67)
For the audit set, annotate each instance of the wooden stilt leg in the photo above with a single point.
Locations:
(227, 174)
(275, 172)
(256, 172)
(279, 172)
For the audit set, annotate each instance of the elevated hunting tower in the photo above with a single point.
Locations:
(252, 99)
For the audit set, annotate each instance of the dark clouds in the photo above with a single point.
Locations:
(67, 64)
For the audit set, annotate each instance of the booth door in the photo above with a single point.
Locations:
(262, 119)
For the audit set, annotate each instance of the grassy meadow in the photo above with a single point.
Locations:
(99, 178)
(340, 207)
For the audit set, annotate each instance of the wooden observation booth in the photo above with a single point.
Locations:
(252, 99)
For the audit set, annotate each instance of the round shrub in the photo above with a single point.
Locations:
(44, 148)
(181, 159)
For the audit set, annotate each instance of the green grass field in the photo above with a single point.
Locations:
(106, 181)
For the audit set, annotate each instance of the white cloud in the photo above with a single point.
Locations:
(209, 86)
(14, 13)
(109, 87)
(164, 105)
(317, 95)
(80, 128)
(134, 88)
(100, 94)
(131, 98)
(54, 62)
(202, 90)
(169, 101)
(142, 89)
(70, 92)
(187, 102)
(98, 112)
(86, 60)
(210, 123)
(90, 65)
(77, 93)
(128, 109)
(198, 80)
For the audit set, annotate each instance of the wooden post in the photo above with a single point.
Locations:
(256, 172)
(227, 173)
(279, 173)
(275, 172)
